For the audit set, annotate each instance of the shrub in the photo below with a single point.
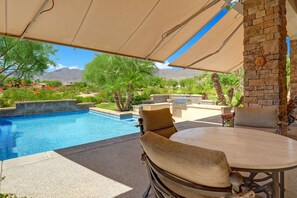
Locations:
(136, 100)
(54, 83)
(13, 95)
(80, 84)
(93, 99)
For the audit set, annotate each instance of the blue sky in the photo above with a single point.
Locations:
(72, 57)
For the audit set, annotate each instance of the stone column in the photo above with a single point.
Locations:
(265, 43)
(293, 67)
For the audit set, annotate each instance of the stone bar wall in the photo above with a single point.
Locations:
(265, 36)
(293, 68)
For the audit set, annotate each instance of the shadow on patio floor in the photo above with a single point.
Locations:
(117, 161)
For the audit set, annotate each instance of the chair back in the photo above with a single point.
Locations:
(256, 117)
(159, 121)
(181, 170)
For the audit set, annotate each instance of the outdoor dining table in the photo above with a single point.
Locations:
(248, 150)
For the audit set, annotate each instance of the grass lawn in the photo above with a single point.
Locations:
(109, 106)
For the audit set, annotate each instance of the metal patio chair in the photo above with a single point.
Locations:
(263, 119)
(158, 121)
(179, 170)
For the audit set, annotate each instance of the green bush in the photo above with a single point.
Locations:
(80, 84)
(13, 95)
(53, 83)
(136, 100)
(93, 99)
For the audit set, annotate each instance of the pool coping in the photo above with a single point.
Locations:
(29, 159)
(111, 112)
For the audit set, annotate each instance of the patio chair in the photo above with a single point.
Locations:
(158, 121)
(179, 170)
(264, 119)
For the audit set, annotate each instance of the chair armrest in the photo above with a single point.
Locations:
(280, 124)
(140, 125)
(250, 194)
(236, 181)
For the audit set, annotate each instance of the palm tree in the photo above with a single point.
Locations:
(218, 87)
(118, 75)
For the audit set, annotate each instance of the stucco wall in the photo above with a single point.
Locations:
(41, 107)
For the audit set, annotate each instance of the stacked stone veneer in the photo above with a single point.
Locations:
(265, 36)
(43, 107)
(293, 68)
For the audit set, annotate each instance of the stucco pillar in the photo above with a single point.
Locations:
(293, 67)
(265, 54)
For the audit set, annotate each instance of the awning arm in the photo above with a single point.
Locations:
(40, 11)
(177, 27)
(234, 67)
(220, 48)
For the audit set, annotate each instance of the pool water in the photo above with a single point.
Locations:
(26, 135)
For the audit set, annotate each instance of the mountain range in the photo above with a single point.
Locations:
(75, 75)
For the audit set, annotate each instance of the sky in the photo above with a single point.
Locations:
(73, 58)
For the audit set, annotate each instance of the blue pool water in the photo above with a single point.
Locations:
(26, 135)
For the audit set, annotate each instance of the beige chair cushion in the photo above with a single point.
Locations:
(167, 132)
(186, 191)
(271, 130)
(256, 117)
(195, 164)
(158, 121)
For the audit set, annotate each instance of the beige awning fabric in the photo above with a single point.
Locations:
(221, 49)
(132, 28)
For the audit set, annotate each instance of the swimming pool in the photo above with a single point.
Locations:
(26, 135)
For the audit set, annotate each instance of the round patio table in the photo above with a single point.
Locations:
(247, 150)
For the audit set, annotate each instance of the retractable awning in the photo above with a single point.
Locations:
(131, 28)
(221, 49)
(146, 29)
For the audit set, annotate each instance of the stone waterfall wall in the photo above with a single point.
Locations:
(43, 107)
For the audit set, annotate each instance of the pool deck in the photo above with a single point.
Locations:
(105, 169)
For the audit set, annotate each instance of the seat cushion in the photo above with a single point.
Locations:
(167, 132)
(195, 164)
(271, 130)
(158, 121)
(256, 117)
(186, 191)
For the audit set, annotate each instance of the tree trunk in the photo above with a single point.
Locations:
(218, 87)
(240, 101)
(128, 98)
(121, 102)
(230, 94)
(128, 101)
(116, 101)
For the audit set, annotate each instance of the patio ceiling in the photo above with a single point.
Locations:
(152, 30)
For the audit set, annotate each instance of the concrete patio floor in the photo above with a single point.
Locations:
(105, 169)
